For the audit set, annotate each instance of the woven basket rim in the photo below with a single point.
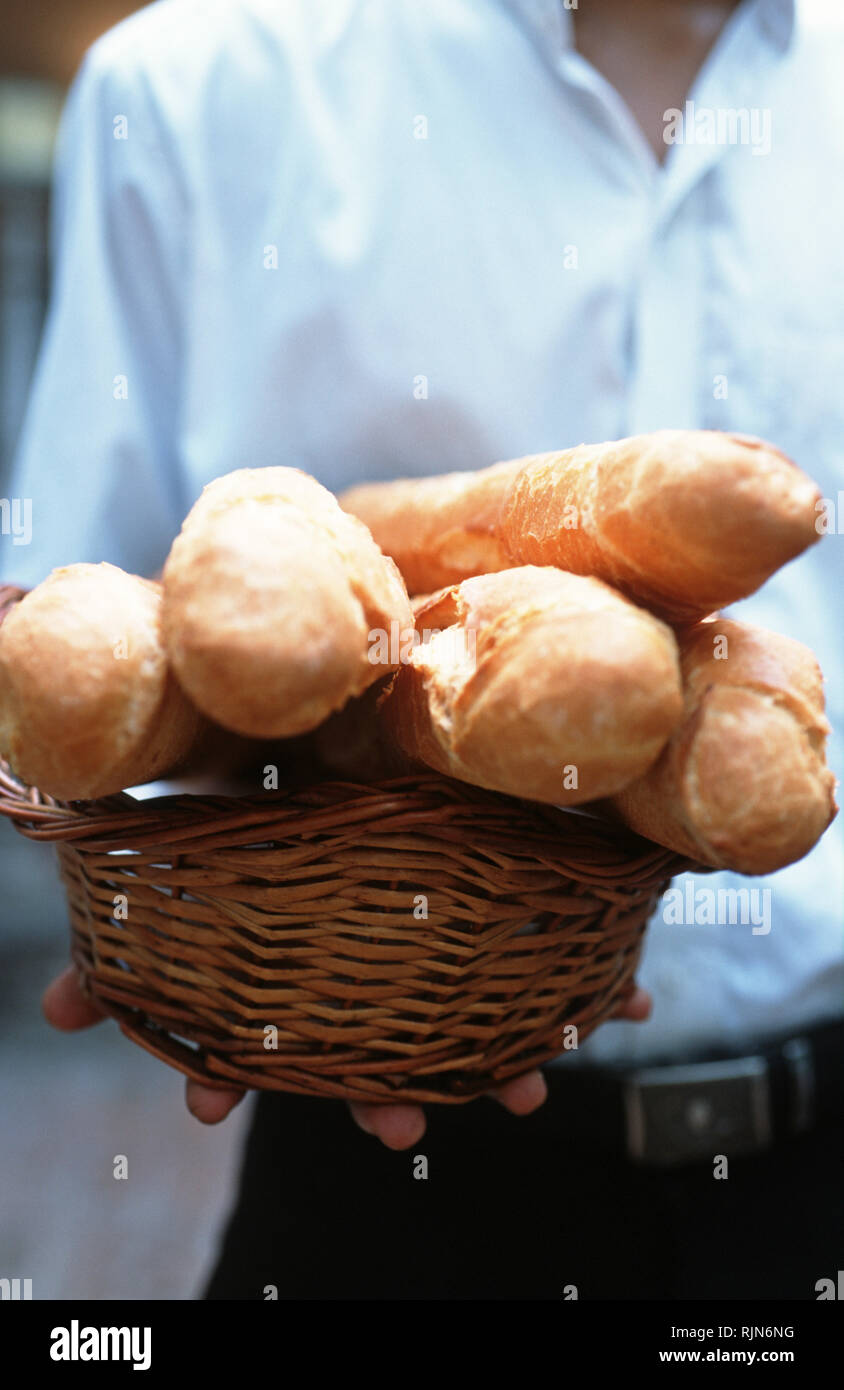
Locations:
(113, 822)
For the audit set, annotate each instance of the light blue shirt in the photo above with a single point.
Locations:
(376, 237)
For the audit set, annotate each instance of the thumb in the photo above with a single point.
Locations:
(66, 1007)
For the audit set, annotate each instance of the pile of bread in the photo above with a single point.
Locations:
(563, 644)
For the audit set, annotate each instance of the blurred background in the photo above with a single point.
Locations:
(70, 1103)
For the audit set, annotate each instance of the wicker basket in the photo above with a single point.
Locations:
(418, 940)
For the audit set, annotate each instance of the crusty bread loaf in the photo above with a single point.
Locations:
(441, 529)
(88, 705)
(531, 681)
(742, 783)
(683, 521)
(271, 593)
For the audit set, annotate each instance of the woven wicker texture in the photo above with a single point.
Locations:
(203, 923)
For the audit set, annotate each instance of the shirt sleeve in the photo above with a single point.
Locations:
(97, 469)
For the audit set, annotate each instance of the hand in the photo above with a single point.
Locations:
(397, 1126)
(400, 1126)
(67, 1008)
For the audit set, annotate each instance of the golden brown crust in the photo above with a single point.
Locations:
(743, 782)
(539, 683)
(270, 594)
(683, 521)
(87, 703)
(438, 530)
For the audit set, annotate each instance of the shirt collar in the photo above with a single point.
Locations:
(553, 23)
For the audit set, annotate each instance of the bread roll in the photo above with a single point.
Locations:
(271, 594)
(87, 703)
(742, 783)
(535, 682)
(683, 521)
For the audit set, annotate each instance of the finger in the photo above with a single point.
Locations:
(66, 1007)
(397, 1126)
(637, 1007)
(209, 1105)
(523, 1094)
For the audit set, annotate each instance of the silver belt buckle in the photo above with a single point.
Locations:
(687, 1113)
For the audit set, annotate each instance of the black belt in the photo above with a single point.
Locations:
(663, 1116)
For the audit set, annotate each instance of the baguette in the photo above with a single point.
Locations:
(538, 683)
(271, 593)
(742, 783)
(439, 530)
(682, 521)
(88, 705)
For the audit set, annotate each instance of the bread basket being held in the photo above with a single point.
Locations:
(412, 917)
(414, 938)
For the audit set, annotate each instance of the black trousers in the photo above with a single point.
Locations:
(518, 1208)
